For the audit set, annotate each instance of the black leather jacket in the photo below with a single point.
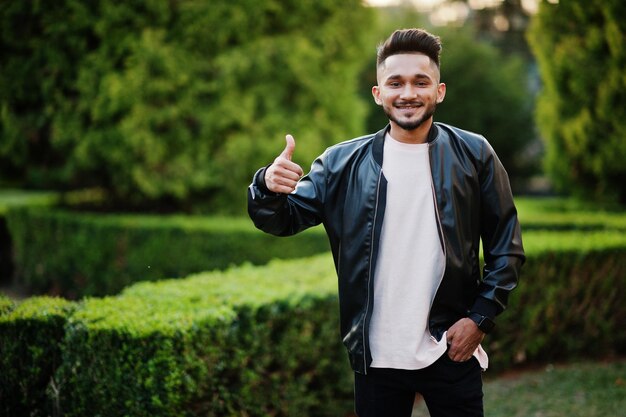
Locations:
(346, 191)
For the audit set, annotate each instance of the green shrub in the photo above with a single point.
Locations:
(6, 261)
(6, 304)
(581, 114)
(171, 101)
(17, 198)
(569, 302)
(567, 214)
(76, 254)
(30, 351)
(250, 341)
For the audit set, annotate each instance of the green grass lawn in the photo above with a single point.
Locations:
(576, 390)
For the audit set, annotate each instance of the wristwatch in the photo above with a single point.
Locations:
(484, 323)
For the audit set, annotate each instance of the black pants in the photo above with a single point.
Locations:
(450, 389)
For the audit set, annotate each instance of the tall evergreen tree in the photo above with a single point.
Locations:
(581, 110)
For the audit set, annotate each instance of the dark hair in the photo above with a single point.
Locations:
(409, 41)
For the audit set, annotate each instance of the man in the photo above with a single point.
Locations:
(405, 210)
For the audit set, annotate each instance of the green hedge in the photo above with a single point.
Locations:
(10, 198)
(31, 335)
(570, 301)
(76, 253)
(264, 340)
(249, 341)
(567, 214)
(6, 304)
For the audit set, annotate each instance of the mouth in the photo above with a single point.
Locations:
(408, 109)
(407, 106)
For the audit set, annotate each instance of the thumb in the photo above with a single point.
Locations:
(289, 147)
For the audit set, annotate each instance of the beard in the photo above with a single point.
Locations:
(412, 124)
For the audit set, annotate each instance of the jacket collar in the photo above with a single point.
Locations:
(432, 133)
(378, 144)
(379, 141)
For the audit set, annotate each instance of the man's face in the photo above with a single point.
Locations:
(408, 89)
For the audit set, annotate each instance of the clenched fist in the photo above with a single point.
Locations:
(283, 175)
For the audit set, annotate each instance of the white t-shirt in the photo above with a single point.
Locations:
(410, 264)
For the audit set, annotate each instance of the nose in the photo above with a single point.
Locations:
(408, 92)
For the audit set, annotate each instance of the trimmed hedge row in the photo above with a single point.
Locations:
(249, 341)
(570, 301)
(17, 198)
(6, 248)
(262, 341)
(75, 254)
(31, 336)
(567, 214)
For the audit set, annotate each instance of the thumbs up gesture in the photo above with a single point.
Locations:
(283, 175)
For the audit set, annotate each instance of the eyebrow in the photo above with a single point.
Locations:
(418, 76)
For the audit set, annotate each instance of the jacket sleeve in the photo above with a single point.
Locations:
(501, 237)
(288, 214)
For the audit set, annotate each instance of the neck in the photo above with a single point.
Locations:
(417, 135)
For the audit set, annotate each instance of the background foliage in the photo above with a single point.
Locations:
(581, 110)
(488, 92)
(173, 105)
(162, 102)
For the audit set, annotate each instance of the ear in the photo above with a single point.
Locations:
(376, 94)
(441, 92)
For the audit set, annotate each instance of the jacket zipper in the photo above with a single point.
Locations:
(339, 257)
(369, 278)
(441, 235)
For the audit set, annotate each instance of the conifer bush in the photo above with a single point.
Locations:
(581, 114)
(172, 103)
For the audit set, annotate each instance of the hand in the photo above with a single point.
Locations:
(283, 175)
(463, 337)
